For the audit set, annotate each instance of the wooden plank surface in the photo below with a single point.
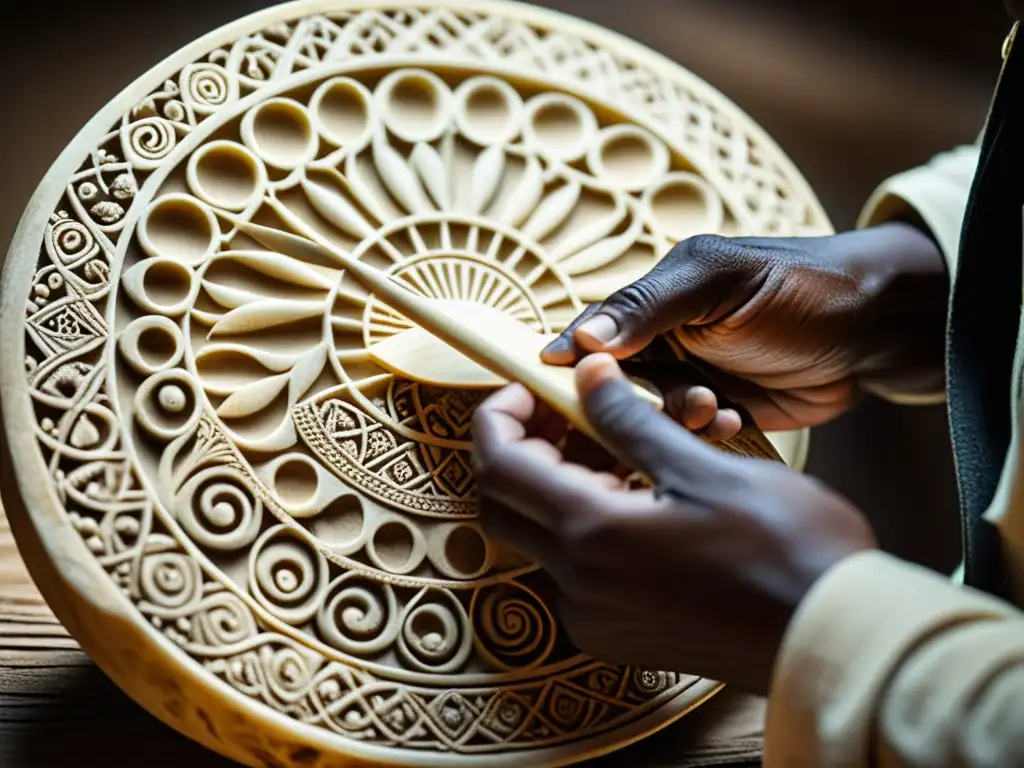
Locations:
(58, 709)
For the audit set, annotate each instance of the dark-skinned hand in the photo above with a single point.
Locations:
(789, 327)
(701, 574)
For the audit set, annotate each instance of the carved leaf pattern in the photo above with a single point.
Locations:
(306, 371)
(283, 268)
(431, 168)
(602, 252)
(278, 362)
(336, 209)
(229, 296)
(486, 177)
(253, 397)
(266, 313)
(527, 194)
(553, 211)
(398, 178)
(589, 234)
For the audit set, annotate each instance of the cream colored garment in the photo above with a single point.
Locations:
(889, 664)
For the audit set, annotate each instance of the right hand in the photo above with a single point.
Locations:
(790, 326)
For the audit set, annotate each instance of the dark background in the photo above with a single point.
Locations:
(853, 90)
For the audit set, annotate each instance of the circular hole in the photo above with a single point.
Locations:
(150, 344)
(558, 127)
(413, 99)
(178, 228)
(489, 113)
(414, 105)
(340, 523)
(465, 550)
(630, 158)
(561, 126)
(684, 207)
(393, 545)
(341, 108)
(167, 283)
(279, 131)
(156, 346)
(296, 481)
(225, 174)
(489, 106)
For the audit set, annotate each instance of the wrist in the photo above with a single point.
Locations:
(901, 327)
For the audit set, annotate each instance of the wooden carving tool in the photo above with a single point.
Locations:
(488, 337)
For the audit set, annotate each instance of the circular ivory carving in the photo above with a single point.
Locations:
(261, 533)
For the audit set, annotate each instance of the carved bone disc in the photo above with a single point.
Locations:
(261, 533)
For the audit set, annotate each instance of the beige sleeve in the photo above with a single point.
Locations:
(936, 194)
(889, 664)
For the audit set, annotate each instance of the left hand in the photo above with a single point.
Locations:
(700, 575)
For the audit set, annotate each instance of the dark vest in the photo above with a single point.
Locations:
(984, 318)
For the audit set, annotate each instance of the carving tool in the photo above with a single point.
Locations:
(492, 339)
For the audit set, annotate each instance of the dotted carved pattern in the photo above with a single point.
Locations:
(280, 626)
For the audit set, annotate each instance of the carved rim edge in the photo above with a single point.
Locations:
(44, 532)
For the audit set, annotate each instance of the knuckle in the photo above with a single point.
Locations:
(720, 256)
(713, 249)
(638, 300)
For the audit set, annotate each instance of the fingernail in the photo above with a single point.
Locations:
(601, 328)
(594, 370)
(557, 350)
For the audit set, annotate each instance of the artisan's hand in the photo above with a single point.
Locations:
(791, 325)
(700, 576)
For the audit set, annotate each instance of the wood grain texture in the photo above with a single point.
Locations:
(56, 705)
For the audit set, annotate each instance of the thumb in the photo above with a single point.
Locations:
(642, 437)
(700, 276)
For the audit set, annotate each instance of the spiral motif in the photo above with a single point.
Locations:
(514, 628)
(435, 636)
(287, 576)
(72, 241)
(170, 580)
(359, 616)
(149, 141)
(287, 673)
(223, 620)
(207, 87)
(219, 510)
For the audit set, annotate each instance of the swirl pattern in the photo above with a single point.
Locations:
(359, 615)
(149, 141)
(514, 628)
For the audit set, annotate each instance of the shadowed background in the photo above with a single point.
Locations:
(852, 90)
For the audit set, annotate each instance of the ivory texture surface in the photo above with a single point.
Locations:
(240, 478)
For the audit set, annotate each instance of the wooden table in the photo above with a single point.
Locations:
(58, 709)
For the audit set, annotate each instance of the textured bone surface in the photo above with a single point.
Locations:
(240, 478)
